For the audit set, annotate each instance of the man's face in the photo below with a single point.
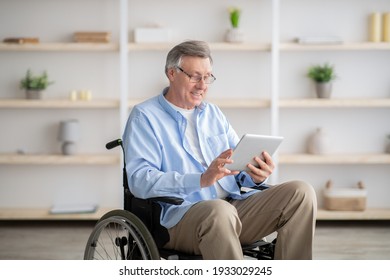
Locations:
(184, 93)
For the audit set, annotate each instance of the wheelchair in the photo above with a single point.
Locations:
(135, 232)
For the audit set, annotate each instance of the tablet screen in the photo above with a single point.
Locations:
(252, 145)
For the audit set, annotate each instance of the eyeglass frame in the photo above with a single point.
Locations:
(200, 77)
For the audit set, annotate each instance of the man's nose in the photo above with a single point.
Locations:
(201, 84)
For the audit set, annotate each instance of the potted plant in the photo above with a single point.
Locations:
(322, 75)
(34, 85)
(234, 34)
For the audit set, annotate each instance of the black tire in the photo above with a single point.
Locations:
(120, 235)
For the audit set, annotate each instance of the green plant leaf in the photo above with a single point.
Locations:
(234, 16)
(321, 73)
(39, 82)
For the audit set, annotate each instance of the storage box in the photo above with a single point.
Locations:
(345, 199)
(152, 35)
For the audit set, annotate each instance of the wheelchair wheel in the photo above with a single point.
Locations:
(120, 235)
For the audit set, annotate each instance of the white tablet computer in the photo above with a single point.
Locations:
(252, 145)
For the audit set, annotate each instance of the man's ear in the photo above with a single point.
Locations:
(171, 74)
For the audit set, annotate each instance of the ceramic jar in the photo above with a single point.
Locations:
(317, 142)
(234, 35)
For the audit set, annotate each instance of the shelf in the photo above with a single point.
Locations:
(368, 214)
(264, 47)
(15, 214)
(334, 159)
(363, 46)
(217, 46)
(224, 103)
(58, 47)
(241, 102)
(40, 159)
(59, 104)
(335, 103)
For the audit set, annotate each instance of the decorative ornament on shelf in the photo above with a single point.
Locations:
(35, 85)
(234, 34)
(84, 95)
(68, 135)
(317, 143)
(345, 199)
(386, 27)
(323, 76)
(388, 144)
(375, 30)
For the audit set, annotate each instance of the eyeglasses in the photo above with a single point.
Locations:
(196, 79)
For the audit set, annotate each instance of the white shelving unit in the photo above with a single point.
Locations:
(354, 116)
(35, 176)
(259, 66)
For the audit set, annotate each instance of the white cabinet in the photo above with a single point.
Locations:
(261, 86)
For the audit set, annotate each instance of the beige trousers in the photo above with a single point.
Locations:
(216, 229)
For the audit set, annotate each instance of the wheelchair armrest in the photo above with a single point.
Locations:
(167, 199)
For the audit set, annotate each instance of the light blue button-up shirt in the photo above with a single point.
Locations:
(159, 161)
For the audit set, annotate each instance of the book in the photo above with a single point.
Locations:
(97, 37)
(21, 40)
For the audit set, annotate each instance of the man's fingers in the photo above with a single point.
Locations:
(226, 154)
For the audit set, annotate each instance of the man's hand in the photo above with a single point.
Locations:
(265, 169)
(217, 169)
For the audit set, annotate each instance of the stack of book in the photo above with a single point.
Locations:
(92, 37)
(21, 40)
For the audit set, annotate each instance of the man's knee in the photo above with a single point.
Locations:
(221, 214)
(302, 190)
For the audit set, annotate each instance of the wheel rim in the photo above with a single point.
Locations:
(116, 238)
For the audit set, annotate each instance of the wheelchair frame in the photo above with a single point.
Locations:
(135, 233)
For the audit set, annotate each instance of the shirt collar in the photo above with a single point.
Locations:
(169, 109)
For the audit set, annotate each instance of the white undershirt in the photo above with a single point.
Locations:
(193, 140)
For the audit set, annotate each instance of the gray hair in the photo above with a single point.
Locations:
(187, 48)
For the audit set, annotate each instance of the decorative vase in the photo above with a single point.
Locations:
(317, 142)
(234, 35)
(33, 94)
(69, 134)
(69, 148)
(387, 150)
(323, 90)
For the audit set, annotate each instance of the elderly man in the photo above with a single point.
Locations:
(177, 144)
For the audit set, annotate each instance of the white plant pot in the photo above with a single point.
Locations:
(234, 35)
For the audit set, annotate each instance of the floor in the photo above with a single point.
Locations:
(66, 240)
